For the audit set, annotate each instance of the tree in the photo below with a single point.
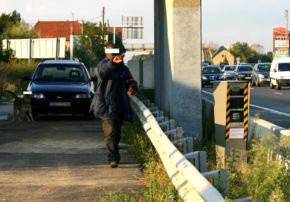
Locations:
(7, 20)
(90, 46)
(11, 27)
(258, 48)
(250, 54)
(242, 50)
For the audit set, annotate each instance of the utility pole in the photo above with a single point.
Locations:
(103, 24)
(71, 37)
(287, 37)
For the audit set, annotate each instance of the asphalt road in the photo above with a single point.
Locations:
(60, 159)
(273, 105)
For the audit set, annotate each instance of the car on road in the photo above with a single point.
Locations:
(280, 73)
(260, 74)
(228, 72)
(243, 72)
(210, 74)
(60, 86)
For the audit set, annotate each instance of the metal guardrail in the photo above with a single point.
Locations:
(188, 181)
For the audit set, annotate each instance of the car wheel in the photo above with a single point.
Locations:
(271, 84)
(278, 85)
(257, 82)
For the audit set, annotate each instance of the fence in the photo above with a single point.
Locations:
(36, 48)
(191, 184)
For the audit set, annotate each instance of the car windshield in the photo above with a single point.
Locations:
(211, 70)
(60, 72)
(284, 67)
(230, 68)
(244, 68)
(264, 67)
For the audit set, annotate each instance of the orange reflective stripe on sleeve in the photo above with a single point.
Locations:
(131, 80)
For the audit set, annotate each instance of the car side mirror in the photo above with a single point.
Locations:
(26, 78)
(94, 78)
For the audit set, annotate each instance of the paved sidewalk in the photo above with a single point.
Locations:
(57, 159)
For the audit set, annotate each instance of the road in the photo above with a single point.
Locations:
(273, 105)
(60, 159)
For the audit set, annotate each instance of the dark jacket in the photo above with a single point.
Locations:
(113, 82)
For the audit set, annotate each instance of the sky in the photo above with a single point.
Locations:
(224, 22)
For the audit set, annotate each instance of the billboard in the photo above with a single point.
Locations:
(280, 42)
(44, 48)
(133, 27)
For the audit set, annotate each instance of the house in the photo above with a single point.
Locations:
(118, 31)
(54, 29)
(222, 55)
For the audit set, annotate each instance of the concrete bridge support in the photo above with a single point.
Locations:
(178, 62)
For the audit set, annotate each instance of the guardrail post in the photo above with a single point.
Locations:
(198, 159)
(220, 179)
(184, 144)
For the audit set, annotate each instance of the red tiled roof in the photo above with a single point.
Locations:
(53, 29)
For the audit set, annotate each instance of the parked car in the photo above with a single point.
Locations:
(210, 74)
(243, 72)
(228, 72)
(60, 86)
(260, 74)
(280, 72)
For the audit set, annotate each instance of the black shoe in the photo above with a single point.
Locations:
(114, 164)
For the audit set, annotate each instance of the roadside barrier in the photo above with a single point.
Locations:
(183, 170)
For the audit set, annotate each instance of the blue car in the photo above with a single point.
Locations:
(210, 74)
(60, 87)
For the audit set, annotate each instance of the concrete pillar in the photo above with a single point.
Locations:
(178, 62)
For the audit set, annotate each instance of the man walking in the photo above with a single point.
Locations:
(111, 102)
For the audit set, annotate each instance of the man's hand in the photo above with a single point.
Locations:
(131, 91)
(118, 58)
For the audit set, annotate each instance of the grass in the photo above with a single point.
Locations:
(263, 178)
(11, 74)
(155, 178)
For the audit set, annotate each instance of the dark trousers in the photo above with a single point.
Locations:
(112, 131)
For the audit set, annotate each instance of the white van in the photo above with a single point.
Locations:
(280, 72)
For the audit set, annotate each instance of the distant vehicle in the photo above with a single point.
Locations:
(207, 61)
(60, 86)
(260, 74)
(243, 72)
(210, 74)
(228, 72)
(280, 73)
(222, 64)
